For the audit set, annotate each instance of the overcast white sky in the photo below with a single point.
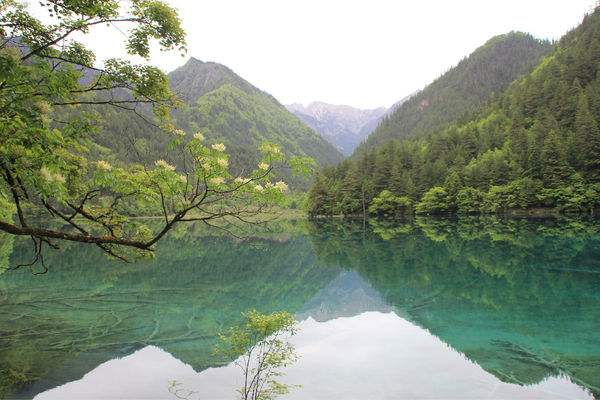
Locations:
(361, 53)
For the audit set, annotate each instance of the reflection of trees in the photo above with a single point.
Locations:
(389, 229)
(6, 248)
(87, 309)
(521, 298)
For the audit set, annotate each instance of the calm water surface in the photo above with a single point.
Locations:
(471, 308)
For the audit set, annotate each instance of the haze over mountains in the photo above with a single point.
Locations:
(343, 126)
(459, 92)
(229, 109)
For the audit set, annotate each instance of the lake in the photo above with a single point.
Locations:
(429, 308)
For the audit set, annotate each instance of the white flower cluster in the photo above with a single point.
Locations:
(199, 136)
(163, 164)
(218, 147)
(242, 181)
(103, 165)
(281, 186)
(217, 180)
(51, 177)
(263, 166)
(179, 132)
(43, 107)
(271, 148)
(223, 162)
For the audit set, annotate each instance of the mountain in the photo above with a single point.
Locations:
(536, 145)
(345, 296)
(225, 108)
(195, 78)
(397, 104)
(464, 88)
(343, 126)
(228, 109)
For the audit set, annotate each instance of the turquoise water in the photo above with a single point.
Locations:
(469, 308)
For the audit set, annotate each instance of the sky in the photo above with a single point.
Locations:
(361, 53)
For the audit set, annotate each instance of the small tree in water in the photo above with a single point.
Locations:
(263, 341)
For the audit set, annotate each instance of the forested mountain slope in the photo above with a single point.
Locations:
(464, 88)
(225, 108)
(343, 126)
(537, 145)
(228, 109)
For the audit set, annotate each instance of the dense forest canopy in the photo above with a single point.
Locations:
(536, 145)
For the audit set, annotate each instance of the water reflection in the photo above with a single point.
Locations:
(520, 298)
(430, 308)
(341, 358)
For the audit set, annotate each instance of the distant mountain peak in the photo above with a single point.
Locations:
(342, 125)
(196, 78)
(194, 60)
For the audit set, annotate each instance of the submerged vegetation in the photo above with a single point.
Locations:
(532, 285)
(535, 146)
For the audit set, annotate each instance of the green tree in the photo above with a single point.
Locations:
(518, 146)
(452, 184)
(521, 193)
(320, 196)
(434, 201)
(494, 167)
(587, 140)
(49, 81)
(555, 169)
(261, 347)
(387, 203)
(469, 200)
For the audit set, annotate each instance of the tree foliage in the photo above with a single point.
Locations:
(50, 163)
(388, 204)
(536, 145)
(261, 348)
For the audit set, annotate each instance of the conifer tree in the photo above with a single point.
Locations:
(555, 168)
(452, 184)
(587, 140)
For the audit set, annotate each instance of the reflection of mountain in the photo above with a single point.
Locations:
(368, 356)
(519, 298)
(87, 310)
(345, 296)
